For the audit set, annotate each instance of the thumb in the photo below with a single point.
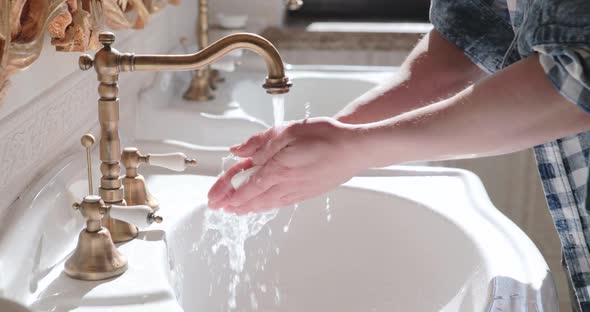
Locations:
(253, 144)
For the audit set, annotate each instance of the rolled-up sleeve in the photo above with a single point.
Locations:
(568, 69)
(559, 31)
(480, 28)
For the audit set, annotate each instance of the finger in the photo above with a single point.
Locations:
(269, 175)
(272, 147)
(268, 200)
(299, 196)
(222, 187)
(253, 144)
(293, 198)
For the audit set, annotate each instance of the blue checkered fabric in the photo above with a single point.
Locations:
(496, 33)
(563, 168)
(569, 70)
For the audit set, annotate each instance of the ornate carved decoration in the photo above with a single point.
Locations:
(76, 25)
(73, 26)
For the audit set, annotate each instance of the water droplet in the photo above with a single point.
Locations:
(253, 301)
(328, 212)
(307, 110)
(277, 296)
(231, 302)
(286, 227)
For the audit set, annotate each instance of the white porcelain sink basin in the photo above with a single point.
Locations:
(368, 257)
(395, 240)
(399, 239)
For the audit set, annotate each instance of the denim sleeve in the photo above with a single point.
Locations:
(478, 27)
(559, 30)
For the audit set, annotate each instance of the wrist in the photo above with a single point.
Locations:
(360, 147)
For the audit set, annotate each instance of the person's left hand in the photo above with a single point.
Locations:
(298, 161)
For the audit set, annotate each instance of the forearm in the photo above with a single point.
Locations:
(512, 110)
(436, 69)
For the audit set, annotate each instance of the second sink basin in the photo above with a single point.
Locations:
(242, 107)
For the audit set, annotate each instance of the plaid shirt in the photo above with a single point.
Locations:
(496, 33)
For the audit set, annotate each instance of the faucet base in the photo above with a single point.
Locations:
(120, 231)
(137, 193)
(198, 96)
(95, 258)
(199, 88)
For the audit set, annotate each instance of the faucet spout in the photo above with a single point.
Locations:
(276, 81)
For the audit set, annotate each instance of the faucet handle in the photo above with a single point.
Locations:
(140, 215)
(106, 38)
(294, 5)
(87, 141)
(85, 62)
(132, 158)
(172, 161)
(92, 209)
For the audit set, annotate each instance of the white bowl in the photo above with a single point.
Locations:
(232, 21)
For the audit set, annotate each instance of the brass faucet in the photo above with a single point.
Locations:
(294, 5)
(109, 63)
(205, 79)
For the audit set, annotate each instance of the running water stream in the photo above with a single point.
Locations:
(232, 231)
(278, 109)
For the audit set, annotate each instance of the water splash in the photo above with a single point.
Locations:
(233, 285)
(307, 107)
(253, 301)
(231, 231)
(288, 225)
(234, 231)
(277, 296)
(328, 209)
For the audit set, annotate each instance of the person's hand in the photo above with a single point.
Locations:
(298, 161)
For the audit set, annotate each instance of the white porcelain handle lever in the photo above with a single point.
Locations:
(140, 215)
(172, 161)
